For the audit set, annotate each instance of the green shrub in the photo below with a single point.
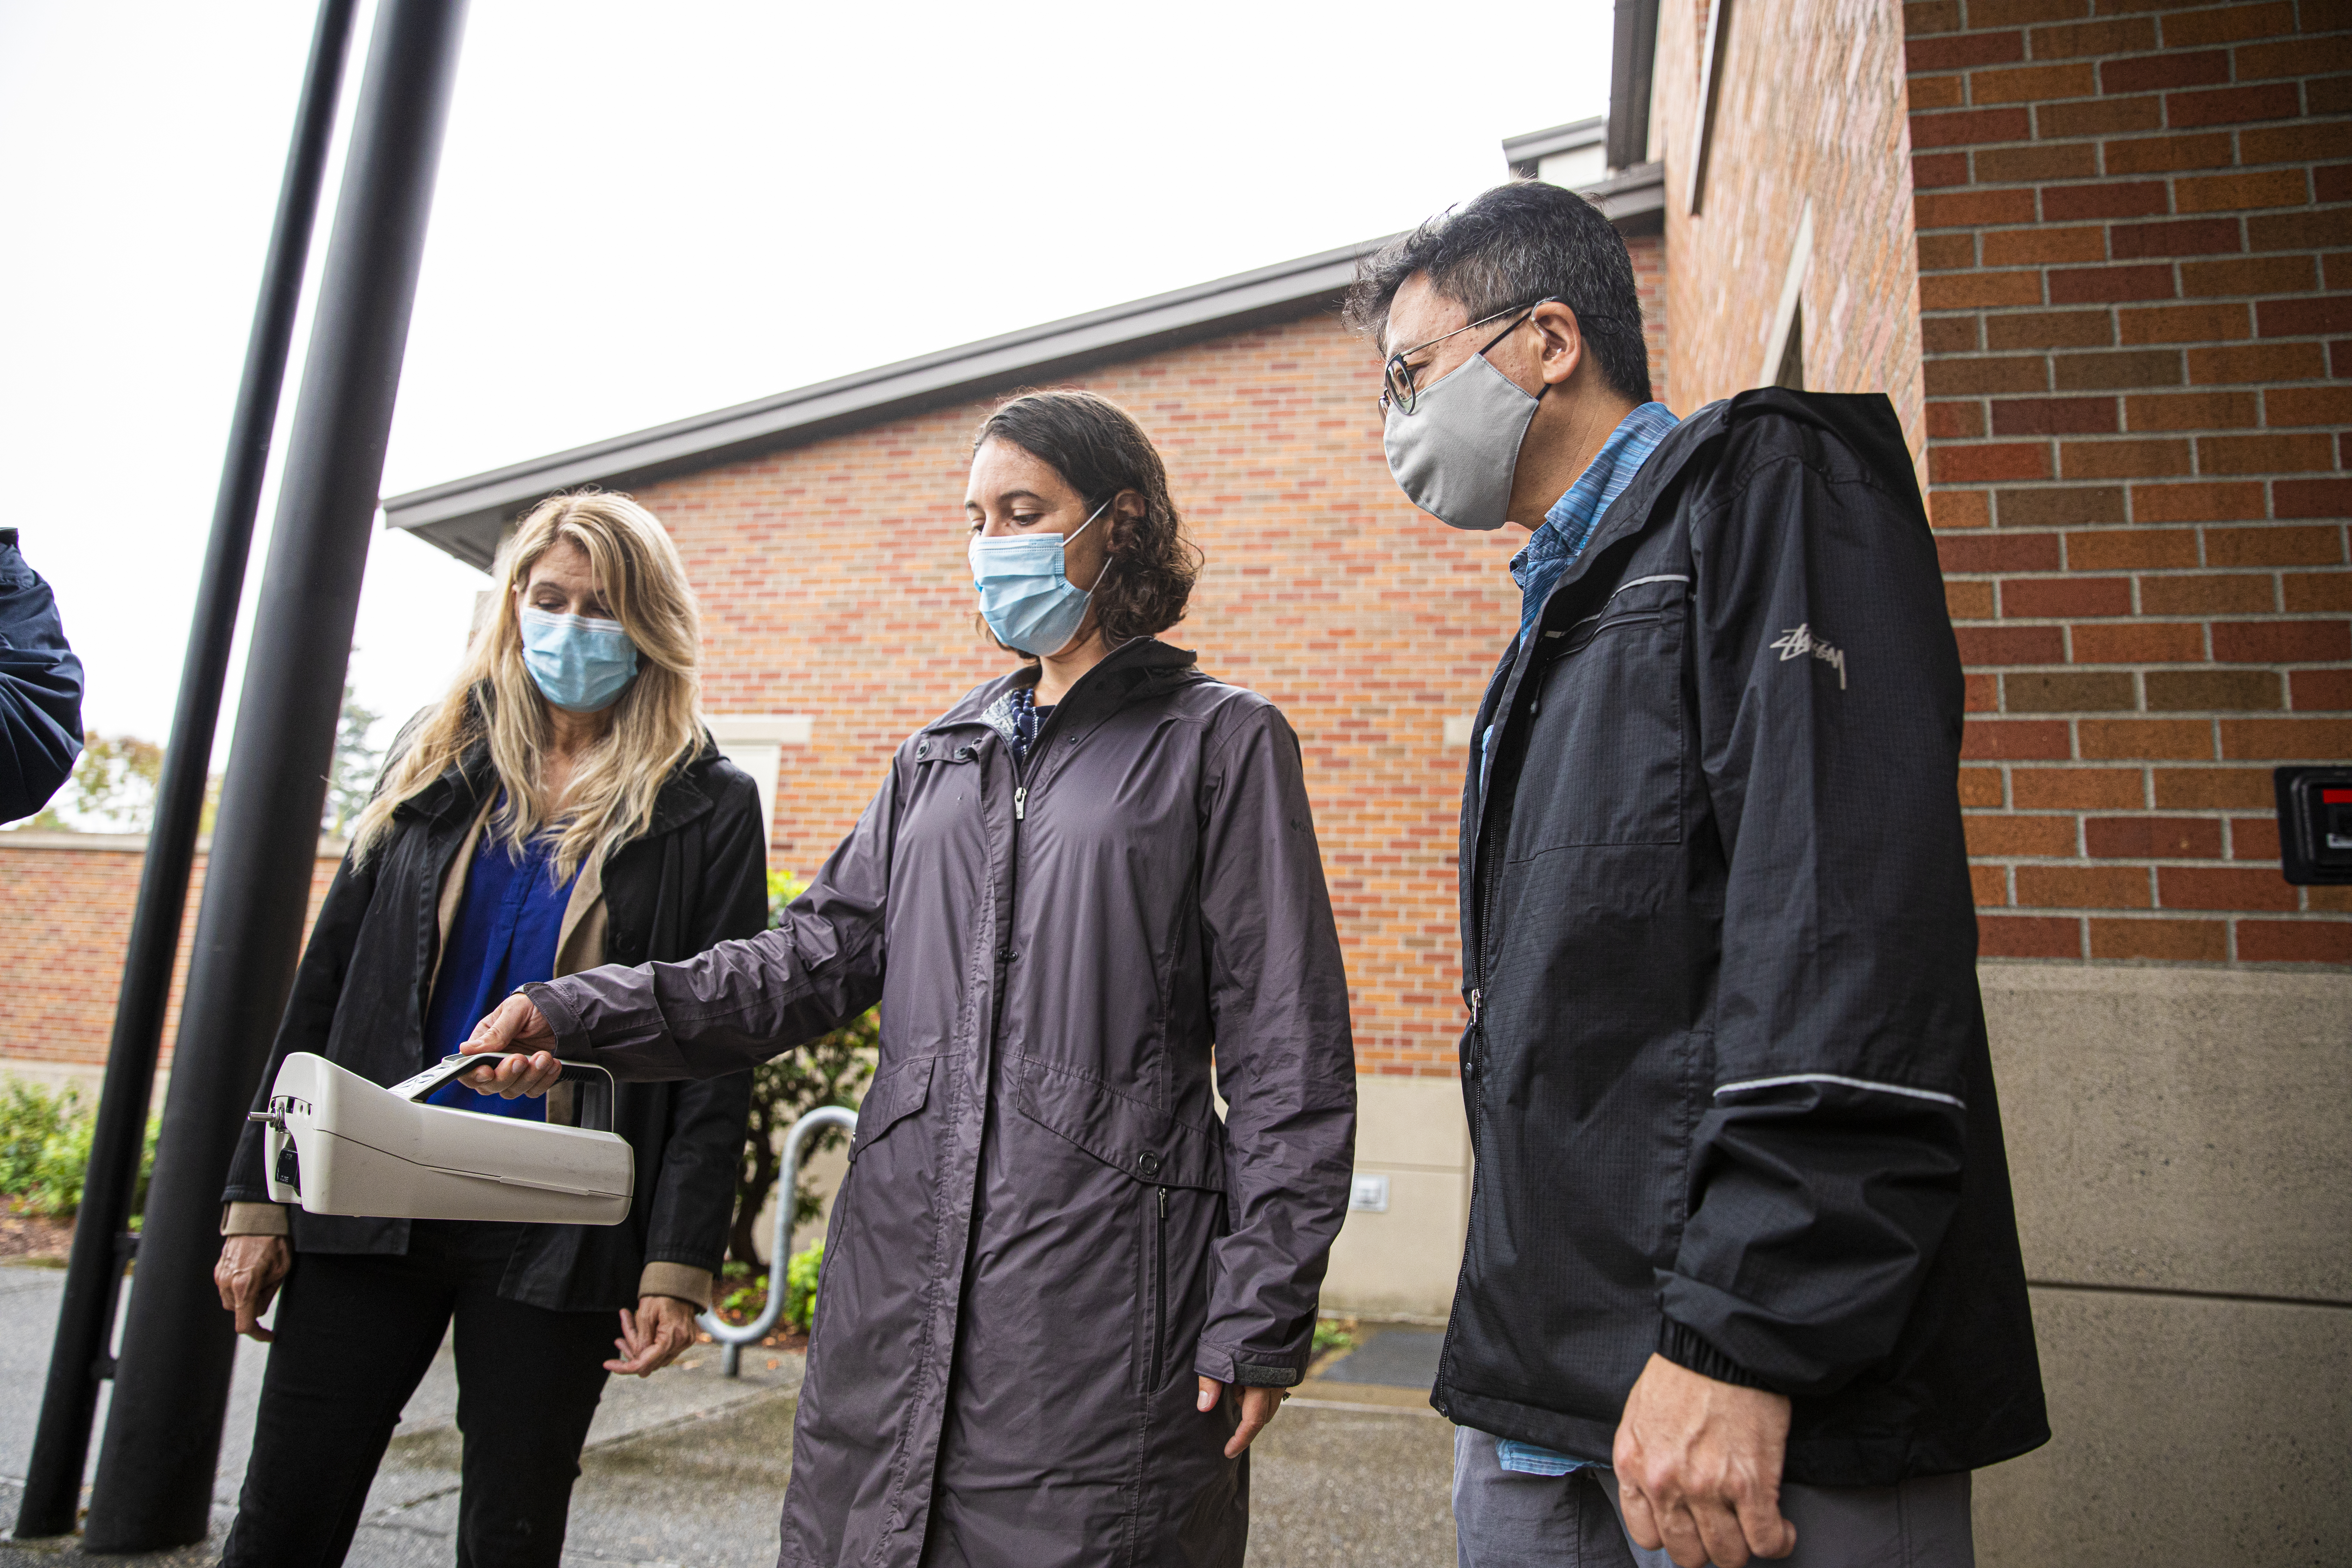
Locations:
(800, 1287)
(1332, 1335)
(45, 1136)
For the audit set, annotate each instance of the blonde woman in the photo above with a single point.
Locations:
(561, 808)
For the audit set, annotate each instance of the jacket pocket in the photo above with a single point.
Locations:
(1122, 1132)
(1153, 1299)
(898, 1093)
(1604, 759)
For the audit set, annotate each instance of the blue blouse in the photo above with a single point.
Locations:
(506, 934)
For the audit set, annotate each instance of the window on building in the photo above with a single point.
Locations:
(1782, 363)
(1716, 28)
(1791, 374)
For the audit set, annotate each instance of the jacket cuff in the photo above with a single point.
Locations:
(544, 995)
(679, 1280)
(1684, 1347)
(1245, 1368)
(254, 1219)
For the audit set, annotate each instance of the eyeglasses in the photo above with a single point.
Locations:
(1397, 387)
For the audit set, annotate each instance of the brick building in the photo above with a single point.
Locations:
(65, 922)
(2096, 251)
(2090, 258)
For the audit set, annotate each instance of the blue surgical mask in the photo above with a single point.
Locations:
(580, 663)
(1029, 604)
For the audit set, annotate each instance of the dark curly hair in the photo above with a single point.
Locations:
(1099, 450)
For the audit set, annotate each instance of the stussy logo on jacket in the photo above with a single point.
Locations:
(1798, 641)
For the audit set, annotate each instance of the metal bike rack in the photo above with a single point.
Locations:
(779, 1249)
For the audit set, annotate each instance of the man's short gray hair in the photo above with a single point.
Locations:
(1518, 245)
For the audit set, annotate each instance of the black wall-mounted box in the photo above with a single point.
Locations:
(2315, 817)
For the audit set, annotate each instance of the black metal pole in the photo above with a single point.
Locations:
(156, 1465)
(80, 1355)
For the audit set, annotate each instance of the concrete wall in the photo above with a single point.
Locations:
(1403, 1263)
(2184, 1191)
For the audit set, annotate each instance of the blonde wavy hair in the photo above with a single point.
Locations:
(655, 727)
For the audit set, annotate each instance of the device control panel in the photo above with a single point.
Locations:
(2315, 819)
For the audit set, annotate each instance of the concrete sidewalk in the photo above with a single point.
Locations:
(688, 1467)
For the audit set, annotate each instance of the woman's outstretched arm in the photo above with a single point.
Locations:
(734, 1006)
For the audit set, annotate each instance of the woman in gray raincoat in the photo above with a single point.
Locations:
(1061, 1292)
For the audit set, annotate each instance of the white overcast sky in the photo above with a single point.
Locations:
(647, 211)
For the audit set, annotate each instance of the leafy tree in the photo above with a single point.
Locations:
(350, 776)
(112, 788)
(830, 1071)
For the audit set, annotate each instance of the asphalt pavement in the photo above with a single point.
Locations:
(688, 1467)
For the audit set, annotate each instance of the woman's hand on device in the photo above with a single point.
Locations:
(653, 1335)
(1258, 1406)
(250, 1269)
(513, 1026)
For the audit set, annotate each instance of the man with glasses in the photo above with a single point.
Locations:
(1742, 1274)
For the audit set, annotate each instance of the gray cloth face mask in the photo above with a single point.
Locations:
(1455, 454)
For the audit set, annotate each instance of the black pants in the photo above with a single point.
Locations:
(355, 1337)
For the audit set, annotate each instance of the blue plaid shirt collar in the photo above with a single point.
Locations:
(1568, 526)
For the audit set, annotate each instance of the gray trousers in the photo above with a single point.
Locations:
(1506, 1519)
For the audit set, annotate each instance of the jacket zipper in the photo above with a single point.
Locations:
(1159, 1294)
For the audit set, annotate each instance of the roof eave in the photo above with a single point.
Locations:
(1633, 199)
(466, 517)
(1536, 145)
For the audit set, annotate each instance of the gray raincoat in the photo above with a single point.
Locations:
(1046, 1228)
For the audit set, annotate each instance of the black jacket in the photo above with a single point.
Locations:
(40, 689)
(1727, 1074)
(697, 877)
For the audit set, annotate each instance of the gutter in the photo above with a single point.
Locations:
(1633, 64)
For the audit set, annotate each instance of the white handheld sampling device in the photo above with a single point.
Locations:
(339, 1143)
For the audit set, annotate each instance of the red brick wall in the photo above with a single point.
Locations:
(834, 584)
(65, 919)
(1649, 254)
(1810, 108)
(2135, 248)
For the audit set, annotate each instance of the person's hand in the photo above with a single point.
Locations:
(514, 1024)
(1258, 1406)
(1698, 1468)
(653, 1335)
(250, 1269)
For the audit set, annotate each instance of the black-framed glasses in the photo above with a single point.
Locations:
(1396, 376)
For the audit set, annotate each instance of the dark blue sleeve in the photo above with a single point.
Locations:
(40, 689)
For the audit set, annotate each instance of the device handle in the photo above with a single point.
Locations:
(595, 1085)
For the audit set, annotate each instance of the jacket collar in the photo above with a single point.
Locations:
(682, 796)
(459, 793)
(1128, 670)
(1866, 422)
(467, 784)
(1631, 510)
